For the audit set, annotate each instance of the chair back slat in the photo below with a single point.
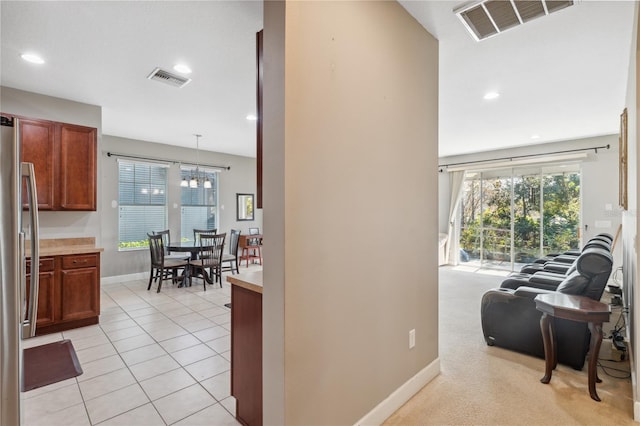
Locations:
(233, 242)
(156, 248)
(197, 232)
(211, 249)
(166, 239)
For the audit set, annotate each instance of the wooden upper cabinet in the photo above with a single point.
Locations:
(77, 167)
(64, 159)
(38, 147)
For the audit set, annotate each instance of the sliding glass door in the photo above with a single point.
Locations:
(512, 216)
(496, 220)
(561, 203)
(526, 216)
(471, 220)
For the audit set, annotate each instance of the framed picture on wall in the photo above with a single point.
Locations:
(623, 163)
(244, 207)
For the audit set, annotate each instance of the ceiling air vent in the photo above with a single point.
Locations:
(491, 17)
(168, 78)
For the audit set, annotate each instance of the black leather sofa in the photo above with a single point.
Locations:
(549, 277)
(604, 237)
(510, 318)
(562, 263)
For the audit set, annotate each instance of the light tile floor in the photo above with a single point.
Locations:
(154, 359)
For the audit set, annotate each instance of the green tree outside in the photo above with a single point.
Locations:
(560, 214)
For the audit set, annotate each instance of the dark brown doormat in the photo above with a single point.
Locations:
(50, 363)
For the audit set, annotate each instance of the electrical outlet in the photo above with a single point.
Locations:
(412, 338)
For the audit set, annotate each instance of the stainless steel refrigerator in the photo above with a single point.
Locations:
(19, 226)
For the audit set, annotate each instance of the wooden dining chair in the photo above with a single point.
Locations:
(210, 257)
(232, 257)
(164, 269)
(197, 232)
(166, 239)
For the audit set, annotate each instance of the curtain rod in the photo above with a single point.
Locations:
(164, 160)
(514, 157)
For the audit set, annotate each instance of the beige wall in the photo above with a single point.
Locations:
(352, 172)
(630, 217)
(273, 180)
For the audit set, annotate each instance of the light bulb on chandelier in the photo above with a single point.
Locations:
(193, 180)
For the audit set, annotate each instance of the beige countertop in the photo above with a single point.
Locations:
(63, 246)
(249, 280)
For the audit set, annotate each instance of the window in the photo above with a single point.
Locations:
(142, 196)
(199, 205)
(512, 216)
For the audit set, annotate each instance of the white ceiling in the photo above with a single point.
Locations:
(560, 77)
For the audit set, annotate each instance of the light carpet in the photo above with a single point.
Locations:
(483, 385)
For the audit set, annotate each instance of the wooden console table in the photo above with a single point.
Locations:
(250, 248)
(574, 308)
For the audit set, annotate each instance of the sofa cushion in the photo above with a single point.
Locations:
(575, 283)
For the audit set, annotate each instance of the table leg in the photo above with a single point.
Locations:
(554, 345)
(545, 328)
(185, 276)
(594, 350)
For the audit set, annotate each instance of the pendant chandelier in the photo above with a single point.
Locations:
(194, 181)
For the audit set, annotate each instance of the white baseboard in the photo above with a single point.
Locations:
(636, 411)
(122, 278)
(400, 396)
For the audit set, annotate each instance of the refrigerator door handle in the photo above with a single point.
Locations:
(29, 324)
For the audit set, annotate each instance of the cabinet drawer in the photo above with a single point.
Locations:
(46, 264)
(79, 261)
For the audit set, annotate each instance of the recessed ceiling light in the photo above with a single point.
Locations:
(182, 68)
(33, 58)
(251, 117)
(491, 95)
(535, 136)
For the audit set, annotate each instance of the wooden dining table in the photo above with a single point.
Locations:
(194, 249)
(185, 247)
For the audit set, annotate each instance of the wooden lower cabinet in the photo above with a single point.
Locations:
(246, 354)
(45, 294)
(78, 300)
(69, 295)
